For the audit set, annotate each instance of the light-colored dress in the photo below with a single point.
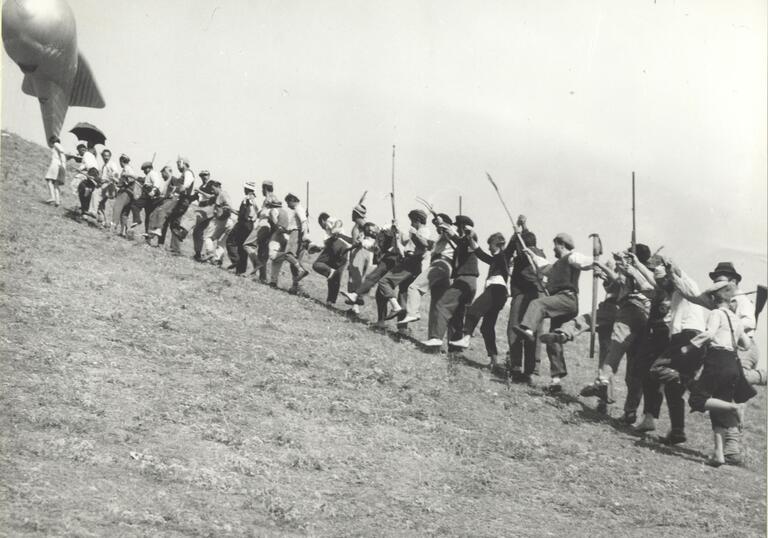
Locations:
(57, 170)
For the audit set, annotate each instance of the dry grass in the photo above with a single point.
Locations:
(144, 394)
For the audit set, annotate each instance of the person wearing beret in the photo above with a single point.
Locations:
(435, 270)
(488, 305)
(413, 246)
(246, 217)
(560, 305)
(638, 287)
(198, 214)
(525, 285)
(361, 254)
(334, 255)
(388, 251)
(448, 304)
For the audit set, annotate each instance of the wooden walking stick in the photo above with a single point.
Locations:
(307, 208)
(394, 214)
(597, 250)
(516, 231)
(634, 223)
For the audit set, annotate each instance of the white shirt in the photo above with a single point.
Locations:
(154, 179)
(88, 161)
(189, 180)
(683, 313)
(719, 332)
(110, 171)
(443, 248)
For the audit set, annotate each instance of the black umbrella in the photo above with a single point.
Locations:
(89, 133)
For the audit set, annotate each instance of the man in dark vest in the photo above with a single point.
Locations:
(246, 216)
(560, 305)
(525, 286)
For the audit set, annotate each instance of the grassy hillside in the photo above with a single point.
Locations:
(145, 394)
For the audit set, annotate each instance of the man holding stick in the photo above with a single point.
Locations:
(560, 305)
(446, 313)
(525, 286)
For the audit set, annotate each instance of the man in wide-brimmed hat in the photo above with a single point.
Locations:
(725, 272)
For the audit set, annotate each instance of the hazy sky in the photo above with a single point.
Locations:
(559, 101)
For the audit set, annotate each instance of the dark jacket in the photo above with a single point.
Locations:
(464, 259)
(524, 278)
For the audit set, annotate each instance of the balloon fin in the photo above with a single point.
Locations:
(54, 110)
(84, 89)
(28, 87)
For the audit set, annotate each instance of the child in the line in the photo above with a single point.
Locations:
(721, 387)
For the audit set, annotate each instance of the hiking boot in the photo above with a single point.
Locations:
(554, 388)
(304, 274)
(674, 437)
(462, 342)
(553, 338)
(648, 424)
(393, 314)
(597, 389)
(629, 417)
(524, 332)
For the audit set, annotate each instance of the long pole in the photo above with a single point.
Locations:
(518, 236)
(460, 212)
(394, 213)
(634, 222)
(307, 208)
(597, 250)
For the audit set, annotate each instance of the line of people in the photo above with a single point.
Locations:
(676, 338)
